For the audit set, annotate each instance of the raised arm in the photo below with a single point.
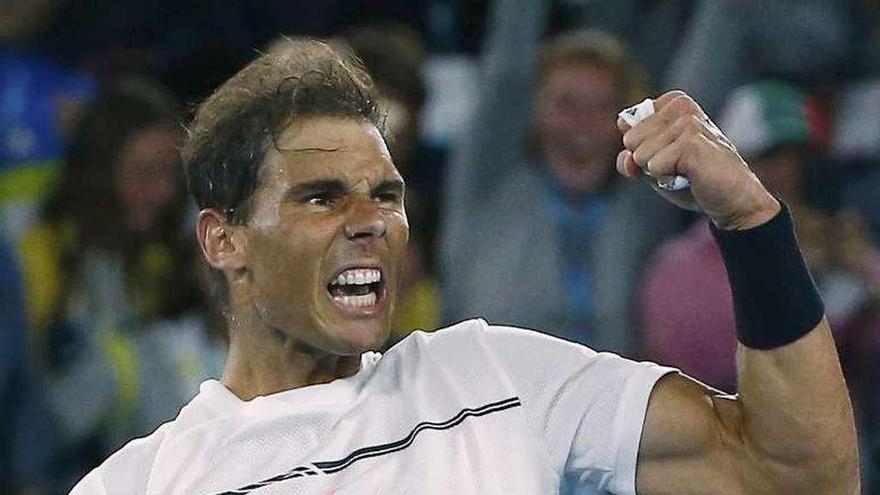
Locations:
(791, 428)
(494, 139)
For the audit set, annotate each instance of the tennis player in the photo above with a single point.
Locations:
(302, 221)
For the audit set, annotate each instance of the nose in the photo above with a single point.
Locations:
(365, 222)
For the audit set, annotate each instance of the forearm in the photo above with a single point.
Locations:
(795, 409)
(496, 130)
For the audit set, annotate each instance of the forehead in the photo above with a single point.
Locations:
(324, 147)
(580, 78)
(160, 140)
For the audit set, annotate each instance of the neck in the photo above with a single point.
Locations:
(263, 360)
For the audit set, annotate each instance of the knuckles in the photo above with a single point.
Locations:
(682, 103)
(674, 93)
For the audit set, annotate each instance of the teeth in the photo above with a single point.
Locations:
(357, 301)
(358, 276)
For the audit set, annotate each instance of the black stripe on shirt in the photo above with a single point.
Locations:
(387, 448)
(330, 467)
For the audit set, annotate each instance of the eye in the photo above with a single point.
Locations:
(321, 199)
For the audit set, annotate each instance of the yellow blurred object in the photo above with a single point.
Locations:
(120, 353)
(40, 251)
(28, 182)
(418, 309)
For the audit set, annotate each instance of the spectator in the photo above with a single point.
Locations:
(548, 202)
(102, 265)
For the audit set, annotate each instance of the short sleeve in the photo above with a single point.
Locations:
(588, 406)
(90, 485)
(126, 471)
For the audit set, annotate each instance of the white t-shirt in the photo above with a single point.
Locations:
(471, 409)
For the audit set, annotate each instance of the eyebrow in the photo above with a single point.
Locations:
(336, 186)
(390, 185)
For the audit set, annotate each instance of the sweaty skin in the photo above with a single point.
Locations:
(328, 199)
(791, 429)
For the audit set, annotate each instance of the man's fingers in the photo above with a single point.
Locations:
(654, 143)
(653, 124)
(659, 142)
(684, 125)
(666, 162)
(658, 122)
(626, 166)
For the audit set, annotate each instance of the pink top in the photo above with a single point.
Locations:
(686, 310)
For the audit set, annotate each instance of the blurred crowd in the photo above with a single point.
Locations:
(502, 120)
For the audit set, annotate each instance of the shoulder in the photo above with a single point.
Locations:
(463, 330)
(127, 470)
(464, 336)
(479, 332)
(525, 357)
(476, 343)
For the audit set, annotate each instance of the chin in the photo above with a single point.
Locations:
(358, 323)
(354, 339)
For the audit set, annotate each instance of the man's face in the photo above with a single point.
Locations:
(576, 111)
(326, 236)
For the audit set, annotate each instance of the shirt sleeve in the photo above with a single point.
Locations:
(126, 471)
(588, 406)
(90, 485)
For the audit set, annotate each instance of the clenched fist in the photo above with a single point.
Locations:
(680, 139)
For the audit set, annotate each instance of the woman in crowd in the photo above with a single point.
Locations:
(108, 260)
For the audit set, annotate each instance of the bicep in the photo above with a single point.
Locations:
(692, 443)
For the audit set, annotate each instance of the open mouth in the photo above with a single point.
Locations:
(357, 289)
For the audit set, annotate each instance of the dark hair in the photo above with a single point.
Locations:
(86, 192)
(234, 127)
(599, 49)
(86, 208)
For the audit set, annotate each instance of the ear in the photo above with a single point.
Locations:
(223, 247)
